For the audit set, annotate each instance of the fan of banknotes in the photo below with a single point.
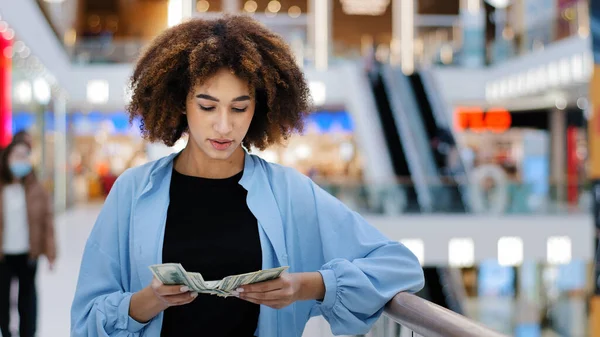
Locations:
(174, 274)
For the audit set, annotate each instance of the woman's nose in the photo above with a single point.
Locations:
(223, 125)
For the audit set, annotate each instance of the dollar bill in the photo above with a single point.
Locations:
(171, 274)
(233, 282)
(175, 274)
(269, 274)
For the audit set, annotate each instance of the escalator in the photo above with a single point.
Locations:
(392, 139)
(440, 285)
(408, 123)
(450, 200)
(416, 124)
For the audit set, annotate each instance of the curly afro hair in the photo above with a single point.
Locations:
(190, 53)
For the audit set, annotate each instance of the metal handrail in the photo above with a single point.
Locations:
(430, 320)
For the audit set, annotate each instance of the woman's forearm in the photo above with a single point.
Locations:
(144, 305)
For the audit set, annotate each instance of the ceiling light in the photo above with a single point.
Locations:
(361, 7)
(558, 250)
(510, 251)
(202, 6)
(41, 91)
(461, 252)
(274, 6)
(318, 91)
(23, 92)
(97, 91)
(294, 11)
(250, 6)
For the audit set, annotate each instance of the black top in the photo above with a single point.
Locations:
(210, 230)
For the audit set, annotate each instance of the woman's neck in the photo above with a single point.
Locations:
(194, 162)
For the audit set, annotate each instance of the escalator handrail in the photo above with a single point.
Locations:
(422, 167)
(441, 114)
(430, 320)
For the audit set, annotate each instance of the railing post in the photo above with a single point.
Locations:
(378, 329)
(390, 328)
(405, 332)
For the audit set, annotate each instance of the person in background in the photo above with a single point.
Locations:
(26, 233)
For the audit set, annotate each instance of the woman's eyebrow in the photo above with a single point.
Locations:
(211, 98)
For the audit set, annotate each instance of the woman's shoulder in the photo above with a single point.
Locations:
(284, 178)
(137, 176)
(281, 173)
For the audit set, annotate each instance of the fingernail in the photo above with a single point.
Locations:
(194, 294)
(235, 293)
(184, 289)
(240, 290)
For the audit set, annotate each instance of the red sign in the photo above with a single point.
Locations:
(5, 92)
(476, 119)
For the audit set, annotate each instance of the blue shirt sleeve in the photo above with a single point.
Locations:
(363, 269)
(101, 303)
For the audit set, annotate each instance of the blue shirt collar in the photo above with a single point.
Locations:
(165, 165)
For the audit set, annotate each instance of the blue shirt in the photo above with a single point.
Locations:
(300, 226)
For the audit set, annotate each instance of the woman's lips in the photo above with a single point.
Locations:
(220, 144)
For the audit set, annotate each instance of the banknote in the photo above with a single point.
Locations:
(171, 273)
(175, 274)
(233, 282)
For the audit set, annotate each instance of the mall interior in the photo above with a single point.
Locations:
(465, 129)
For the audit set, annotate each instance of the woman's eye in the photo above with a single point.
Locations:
(207, 108)
(239, 110)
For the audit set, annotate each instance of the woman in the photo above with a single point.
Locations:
(26, 232)
(230, 84)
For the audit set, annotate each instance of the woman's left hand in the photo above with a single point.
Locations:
(284, 290)
(277, 293)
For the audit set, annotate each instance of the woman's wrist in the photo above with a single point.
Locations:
(144, 305)
(312, 286)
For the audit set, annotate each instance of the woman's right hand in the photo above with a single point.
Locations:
(157, 297)
(172, 295)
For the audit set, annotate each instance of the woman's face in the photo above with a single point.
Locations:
(20, 154)
(19, 161)
(219, 112)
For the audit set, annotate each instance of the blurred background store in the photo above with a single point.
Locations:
(463, 128)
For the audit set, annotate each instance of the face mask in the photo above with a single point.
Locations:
(20, 169)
